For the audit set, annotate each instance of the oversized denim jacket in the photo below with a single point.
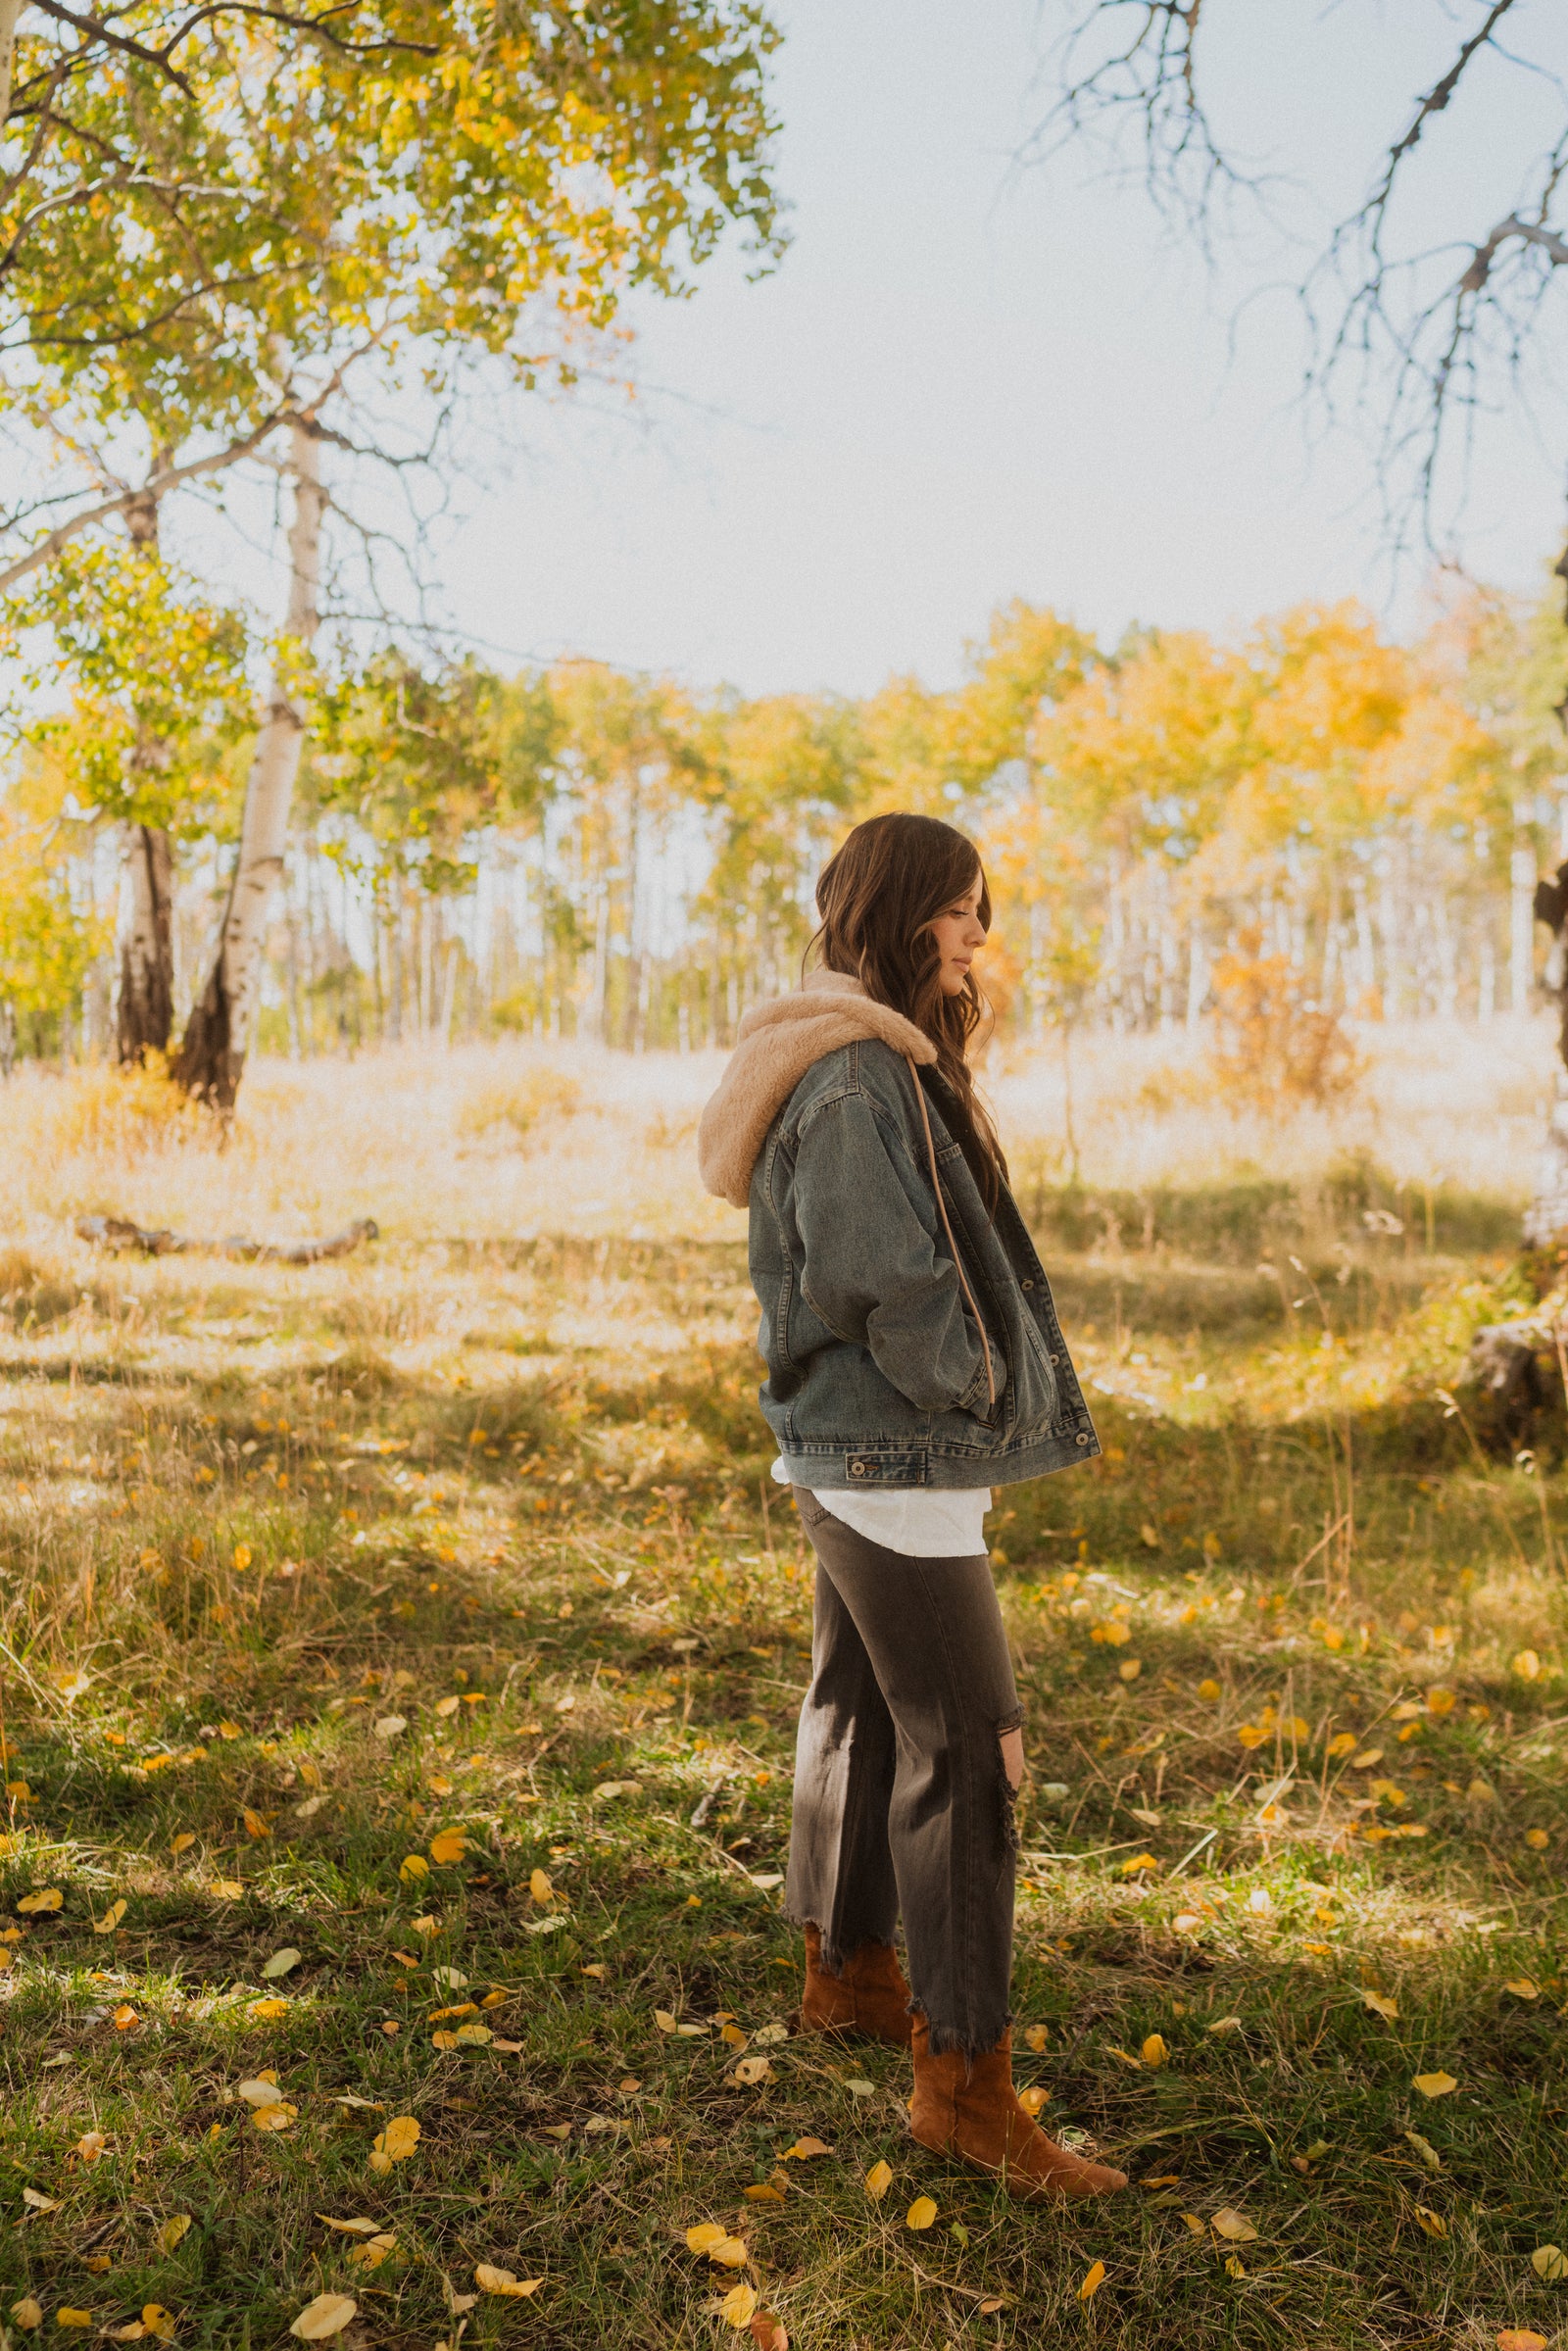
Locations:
(875, 1370)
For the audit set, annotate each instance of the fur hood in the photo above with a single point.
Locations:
(776, 1046)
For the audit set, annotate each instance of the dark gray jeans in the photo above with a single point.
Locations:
(902, 1800)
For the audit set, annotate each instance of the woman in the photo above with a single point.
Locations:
(914, 1361)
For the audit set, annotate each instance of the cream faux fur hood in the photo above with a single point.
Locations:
(776, 1046)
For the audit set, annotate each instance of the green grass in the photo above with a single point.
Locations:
(531, 1478)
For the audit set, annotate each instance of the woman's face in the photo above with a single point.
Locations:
(958, 932)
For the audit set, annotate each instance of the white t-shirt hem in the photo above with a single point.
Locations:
(921, 1522)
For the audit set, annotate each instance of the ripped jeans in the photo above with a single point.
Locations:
(906, 1760)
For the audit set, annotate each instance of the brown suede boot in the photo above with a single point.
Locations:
(966, 2106)
(870, 2000)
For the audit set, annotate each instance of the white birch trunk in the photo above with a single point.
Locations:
(10, 13)
(224, 1020)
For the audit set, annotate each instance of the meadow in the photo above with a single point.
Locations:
(399, 1663)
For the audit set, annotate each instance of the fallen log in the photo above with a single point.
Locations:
(118, 1233)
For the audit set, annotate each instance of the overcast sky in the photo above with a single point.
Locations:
(966, 383)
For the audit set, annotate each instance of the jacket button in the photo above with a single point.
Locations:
(1082, 1440)
(857, 1469)
(1056, 1358)
(1028, 1285)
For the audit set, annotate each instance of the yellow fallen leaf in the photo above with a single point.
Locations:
(1344, 1742)
(268, 2012)
(731, 2034)
(540, 1886)
(1094, 2279)
(158, 2321)
(1130, 1667)
(356, 2228)
(1440, 1700)
(921, 2213)
(447, 1845)
(172, 2229)
(751, 2070)
(1549, 2262)
(91, 2146)
(1521, 2338)
(27, 2313)
(48, 1897)
(280, 1963)
(1523, 1988)
(1155, 2051)
(1435, 2085)
(878, 2180)
(1036, 2037)
(398, 2140)
(1536, 1840)
(1208, 1690)
(1433, 2223)
(1234, 2266)
(255, 1826)
(226, 1889)
(327, 2315)
(1527, 1665)
(1367, 1760)
(373, 2251)
(1033, 2100)
(763, 2192)
(595, 1968)
(738, 2306)
(37, 2201)
(704, 2234)
(413, 1866)
(1138, 1861)
(664, 2021)
(1380, 2005)
(279, 2116)
(730, 2253)
(474, 2036)
(1233, 2226)
(805, 2148)
(124, 2018)
(426, 1925)
(65, 2316)
(491, 2281)
(448, 1705)
(110, 1920)
(1196, 2226)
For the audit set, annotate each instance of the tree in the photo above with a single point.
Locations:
(328, 233)
(1422, 329)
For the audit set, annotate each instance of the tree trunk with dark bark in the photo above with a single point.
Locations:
(146, 1009)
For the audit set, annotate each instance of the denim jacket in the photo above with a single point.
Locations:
(876, 1374)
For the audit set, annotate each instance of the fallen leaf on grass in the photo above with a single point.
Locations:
(27, 2313)
(255, 1826)
(1549, 2262)
(279, 2116)
(391, 1726)
(770, 2333)
(373, 2251)
(1536, 1840)
(395, 2143)
(921, 2213)
(1521, 2338)
(752, 2071)
(90, 2145)
(157, 2322)
(764, 2192)
(609, 1788)
(327, 2315)
(1032, 2100)
(413, 1867)
(110, 1920)
(491, 2281)
(1523, 1988)
(1225, 2023)
(1208, 1690)
(767, 2034)
(1233, 2226)
(172, 2229)
(1234, 2266)
(1380, 2005)
(447, 1845)
(226, 1889)
(356, 2228)
(182, 1840)
(1431, 2222)
(739, 2306)
(1527, 1665)
(1155, 2051)
(38, 2201)
(540, 1887)
(1435, 2085)
(1094, 2279)
(65, 2316)
(280, 1963)
(1426, 2150)
(878, 2180)
(1196, 2224)
(805, 2148)
(268, 2012)
(48, 1897)
(1036, 2037)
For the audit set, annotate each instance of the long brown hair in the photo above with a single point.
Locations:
(878, 898)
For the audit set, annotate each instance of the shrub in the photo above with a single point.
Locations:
(541, 1096)
(1278, 1050)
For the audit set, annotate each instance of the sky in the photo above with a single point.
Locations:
(968, 382)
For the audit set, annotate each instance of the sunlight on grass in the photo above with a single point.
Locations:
(400, 1668)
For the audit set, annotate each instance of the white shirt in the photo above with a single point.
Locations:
(922, 1522)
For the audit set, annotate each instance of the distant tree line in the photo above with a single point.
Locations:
(582, 852)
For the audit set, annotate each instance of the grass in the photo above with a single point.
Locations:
(300, 1569)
